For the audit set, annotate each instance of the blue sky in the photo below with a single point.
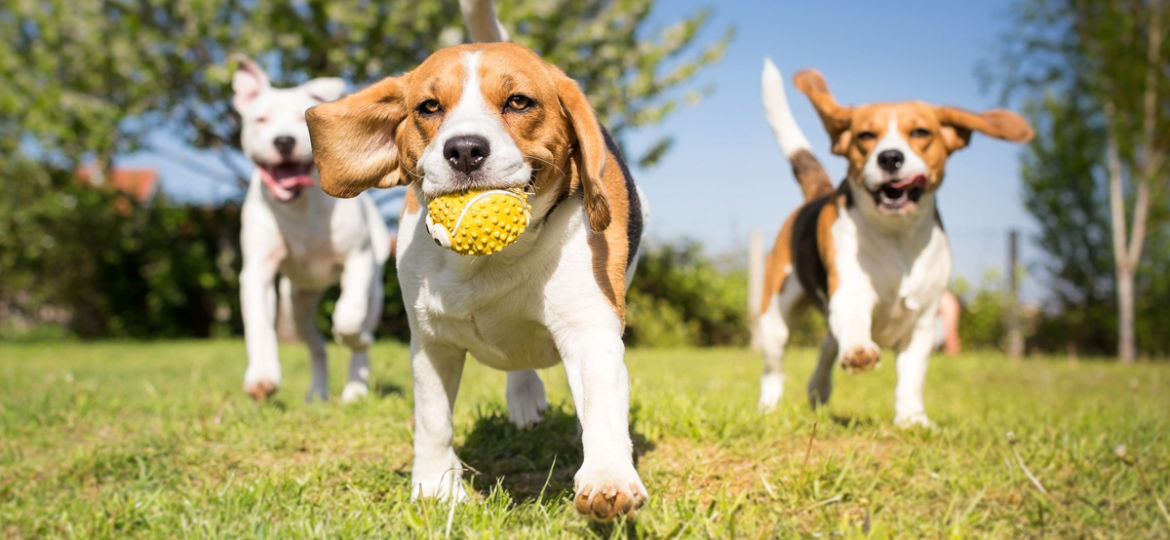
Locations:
(725, 175)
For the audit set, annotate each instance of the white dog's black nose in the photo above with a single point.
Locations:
(466, 153)
(891, 160)
(284, 144)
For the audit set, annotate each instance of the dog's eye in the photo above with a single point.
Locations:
(920, 133)
(261, 119)
(429, 107)
(518, 102)
(866, 136)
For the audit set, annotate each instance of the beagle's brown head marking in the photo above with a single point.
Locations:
(488, 115)
(897, 152)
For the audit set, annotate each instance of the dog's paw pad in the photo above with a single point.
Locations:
(261, 390)
(608, 500)
(859, 359)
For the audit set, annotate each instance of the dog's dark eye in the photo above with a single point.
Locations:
(518, 102)
(429, 107)
(920, 133)
(866, 136)
(261, 119)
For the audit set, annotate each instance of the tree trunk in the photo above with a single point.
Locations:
(1123, 270)
(1126, 342)
(1127, 248)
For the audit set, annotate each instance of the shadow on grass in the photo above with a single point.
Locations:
(388, 388)
(847, 421)
(526, 463)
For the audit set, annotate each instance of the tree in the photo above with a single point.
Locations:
(1108, 61)
(153, 65)
(87, 81)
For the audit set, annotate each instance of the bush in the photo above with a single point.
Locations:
(682, 297)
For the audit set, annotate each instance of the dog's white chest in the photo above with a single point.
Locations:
(494, 307)
(907, 272)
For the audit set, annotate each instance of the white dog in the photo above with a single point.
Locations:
(313, 240)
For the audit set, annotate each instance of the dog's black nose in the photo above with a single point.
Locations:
(466, 153)
(284, 144)
(891, 160)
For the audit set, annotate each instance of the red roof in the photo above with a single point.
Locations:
(137, 183)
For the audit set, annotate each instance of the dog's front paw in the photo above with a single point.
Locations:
(353, 339)
(862, 358)
(915, 420)
(261, 390)
(354, 391)
(606, 492)
(261, 383)
(448, 488)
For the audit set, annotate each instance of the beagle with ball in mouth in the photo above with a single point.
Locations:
(497, 116)
(871, 253)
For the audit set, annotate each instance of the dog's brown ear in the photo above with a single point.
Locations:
(835, 118)
(590, 151)
(353, 138)
(957, 125)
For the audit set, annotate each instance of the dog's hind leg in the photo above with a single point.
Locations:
(358, 384)
(820, 385)
(526, 400)
(774, 325)
(304, 312)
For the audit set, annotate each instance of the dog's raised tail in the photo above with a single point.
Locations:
(481, 21)
(811, 176)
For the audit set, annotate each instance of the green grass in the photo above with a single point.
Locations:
(158, 440)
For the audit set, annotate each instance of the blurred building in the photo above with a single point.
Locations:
(140, 184)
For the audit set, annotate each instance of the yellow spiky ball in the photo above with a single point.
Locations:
(478, 222)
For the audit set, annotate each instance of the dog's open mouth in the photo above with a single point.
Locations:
(899, 196)
(286, 180)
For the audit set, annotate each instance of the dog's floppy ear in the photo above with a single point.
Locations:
(353, 138)
(324, 88)
(590, 151)
(835, 118)
(957, 125)
(248, 82)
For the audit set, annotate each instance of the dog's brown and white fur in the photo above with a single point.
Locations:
(556, 295)
(871, 253)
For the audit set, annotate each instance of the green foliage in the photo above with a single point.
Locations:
(69, 257)
(1070, 60)
(680, 296)
(89, 81)
(163, 64)
(982, 323)
(125, 440)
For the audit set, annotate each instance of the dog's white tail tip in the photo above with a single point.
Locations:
(776, 108)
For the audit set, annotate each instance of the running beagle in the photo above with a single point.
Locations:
(496, 115)
(870, 253)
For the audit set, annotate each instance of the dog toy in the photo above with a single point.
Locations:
(478, 222)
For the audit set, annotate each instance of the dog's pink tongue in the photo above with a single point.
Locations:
(292, 176)
(295, 181)
(913, 181)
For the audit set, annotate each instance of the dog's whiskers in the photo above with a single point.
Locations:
(546, 162)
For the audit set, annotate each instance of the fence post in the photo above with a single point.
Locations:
(1015, 337)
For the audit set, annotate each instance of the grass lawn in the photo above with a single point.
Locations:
(159, 440)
